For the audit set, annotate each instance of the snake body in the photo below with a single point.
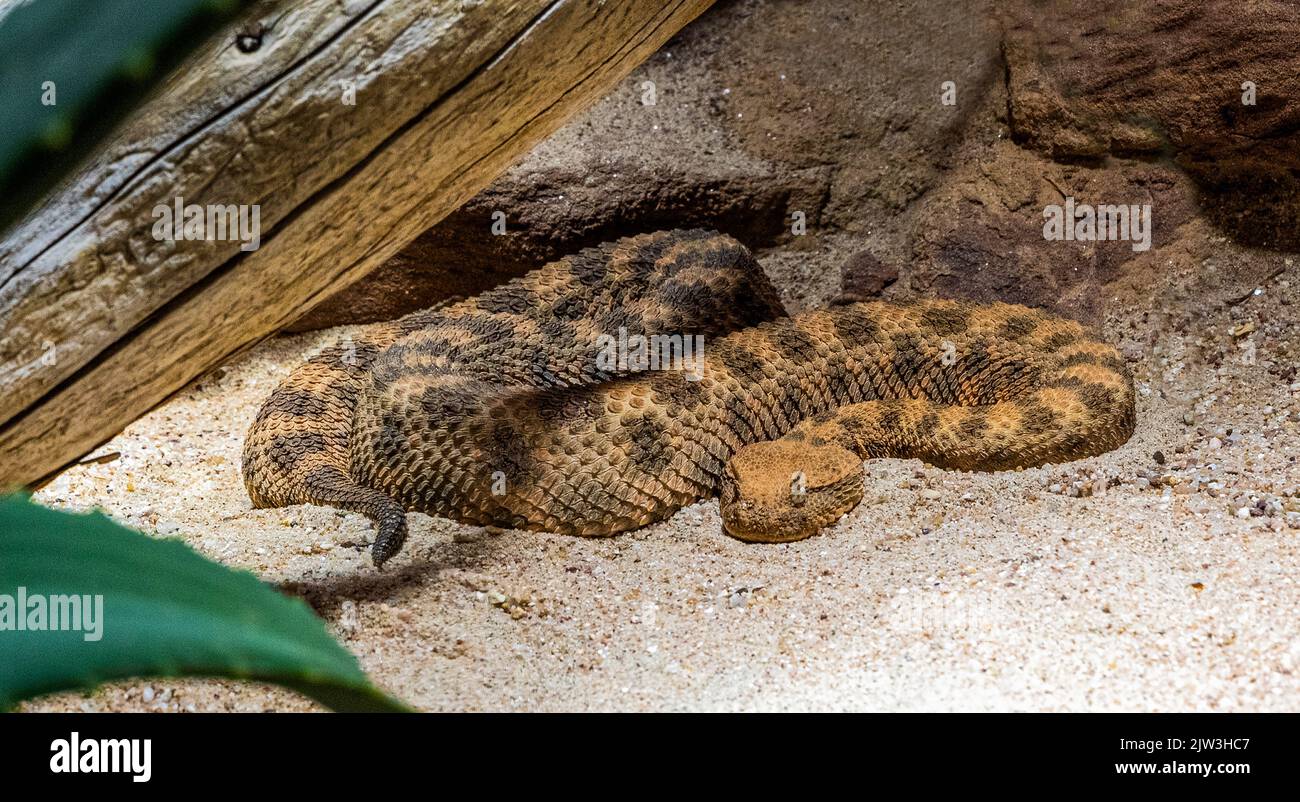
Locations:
(499, 410)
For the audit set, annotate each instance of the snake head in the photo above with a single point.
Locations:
(784, 490)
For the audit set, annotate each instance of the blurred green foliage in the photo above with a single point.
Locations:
(71, 69)
(149, 607)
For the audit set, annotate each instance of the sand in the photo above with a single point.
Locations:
(1160, 576)
(1112, 583)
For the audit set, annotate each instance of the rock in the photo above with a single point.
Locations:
(349, 618)
(554, 210)
(878, 123)
(980, 235)
(755, 120)
(864, 277)
(1168, 77)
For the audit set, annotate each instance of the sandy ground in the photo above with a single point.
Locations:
(1132, 581)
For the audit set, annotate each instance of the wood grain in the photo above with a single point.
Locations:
(448, 95)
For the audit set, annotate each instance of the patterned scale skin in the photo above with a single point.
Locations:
(494, 410)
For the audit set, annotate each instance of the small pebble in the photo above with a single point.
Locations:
(348, 618)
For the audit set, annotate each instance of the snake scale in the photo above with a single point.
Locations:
(498, 410)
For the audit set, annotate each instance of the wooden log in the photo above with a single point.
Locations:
(100, 321)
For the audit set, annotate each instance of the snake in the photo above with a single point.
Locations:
(535, 405)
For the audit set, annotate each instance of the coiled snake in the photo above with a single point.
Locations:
(505, 410)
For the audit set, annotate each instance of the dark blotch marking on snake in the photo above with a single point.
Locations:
(431, 405)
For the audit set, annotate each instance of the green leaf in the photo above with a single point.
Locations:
(167, 611)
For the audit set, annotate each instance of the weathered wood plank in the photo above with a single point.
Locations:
(273, 139)
(447, 96)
